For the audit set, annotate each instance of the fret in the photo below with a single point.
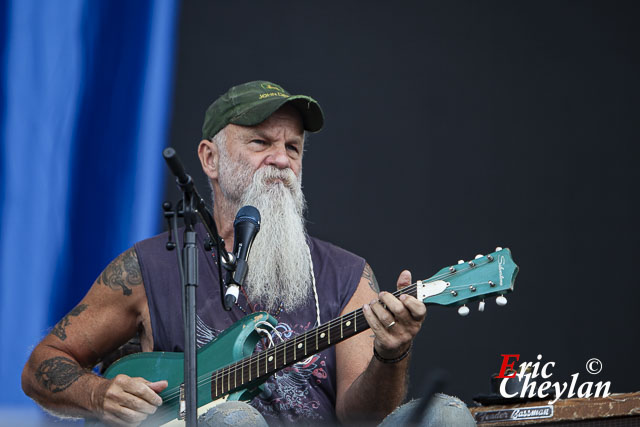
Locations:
(317, 338)
(305, 344)
(228, 381)
(355, 322)
(329, 333)
(215, 382)
(250, 369)
(235, 378)
(341, 335)
(294, 347)
(266, 365)
(284, 353)
(242, 374)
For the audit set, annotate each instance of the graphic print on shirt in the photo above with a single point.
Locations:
(287, 391)
(204, 332)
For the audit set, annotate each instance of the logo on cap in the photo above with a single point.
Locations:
(270, 86)
(272, 90)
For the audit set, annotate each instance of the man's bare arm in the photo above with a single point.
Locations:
(58, 374)
(368, 389)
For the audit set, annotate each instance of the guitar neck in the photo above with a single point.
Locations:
(259, 366)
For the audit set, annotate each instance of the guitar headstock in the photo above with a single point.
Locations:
(486, 275)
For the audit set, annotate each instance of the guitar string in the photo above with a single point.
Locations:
(264, 354)
(357, 315)
(333, 324)
(226, 372)
(271, 353)
(287, 354)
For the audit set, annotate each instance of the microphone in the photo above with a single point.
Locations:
(182, 178)
(245, 228)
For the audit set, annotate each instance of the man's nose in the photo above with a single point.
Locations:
(278, 157)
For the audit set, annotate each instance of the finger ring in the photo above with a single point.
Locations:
(391, 324)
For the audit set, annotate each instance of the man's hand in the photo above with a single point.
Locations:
(395, 321)
(128, 401)
(367, 389)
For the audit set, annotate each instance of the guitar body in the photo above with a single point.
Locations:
(235, 343)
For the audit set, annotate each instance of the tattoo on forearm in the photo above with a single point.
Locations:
(60, 329)
(368, 275)
(58, 373)
(122, 273)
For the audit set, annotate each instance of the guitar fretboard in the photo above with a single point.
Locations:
(259, 366)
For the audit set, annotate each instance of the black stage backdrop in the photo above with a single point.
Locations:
(452, 128)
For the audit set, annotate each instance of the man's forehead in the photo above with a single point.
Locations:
(286, 118)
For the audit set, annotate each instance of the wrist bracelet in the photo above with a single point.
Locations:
(397, 359)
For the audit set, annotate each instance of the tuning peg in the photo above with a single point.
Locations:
(463, 310)
(478, 256)
(501, 301)
(498, 248)
(481, 306)
(460, 261)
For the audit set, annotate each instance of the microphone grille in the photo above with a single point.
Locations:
(247, 214)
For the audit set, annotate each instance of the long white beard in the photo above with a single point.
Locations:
(279, 261)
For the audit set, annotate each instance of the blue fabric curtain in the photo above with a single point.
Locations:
(84, 113)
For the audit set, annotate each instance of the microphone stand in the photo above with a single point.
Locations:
(193, 207)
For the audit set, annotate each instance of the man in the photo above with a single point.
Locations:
(252, 149)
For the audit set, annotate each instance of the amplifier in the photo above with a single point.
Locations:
(622, 409)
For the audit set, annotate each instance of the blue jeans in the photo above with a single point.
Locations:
(443, 411)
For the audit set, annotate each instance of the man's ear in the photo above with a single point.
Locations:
(208, 154)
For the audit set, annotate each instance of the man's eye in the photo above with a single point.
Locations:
(258, 141)
(293, 147)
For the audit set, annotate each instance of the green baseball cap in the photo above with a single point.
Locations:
(252, 103)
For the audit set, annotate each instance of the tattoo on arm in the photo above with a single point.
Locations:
(60, 329)
(58, 373)
(122, 273)
(368, 275)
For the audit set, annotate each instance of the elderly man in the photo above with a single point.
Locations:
(252, 149)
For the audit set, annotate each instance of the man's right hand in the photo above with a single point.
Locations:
(128, 401)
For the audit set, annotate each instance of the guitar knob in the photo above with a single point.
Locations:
(463, 310)
(478, 256)
(460, 261)
(498, 248)
(501, 301)
(481, 306)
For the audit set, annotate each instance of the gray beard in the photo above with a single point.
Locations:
(279, 261)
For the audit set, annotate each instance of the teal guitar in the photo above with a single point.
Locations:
(228, 369)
